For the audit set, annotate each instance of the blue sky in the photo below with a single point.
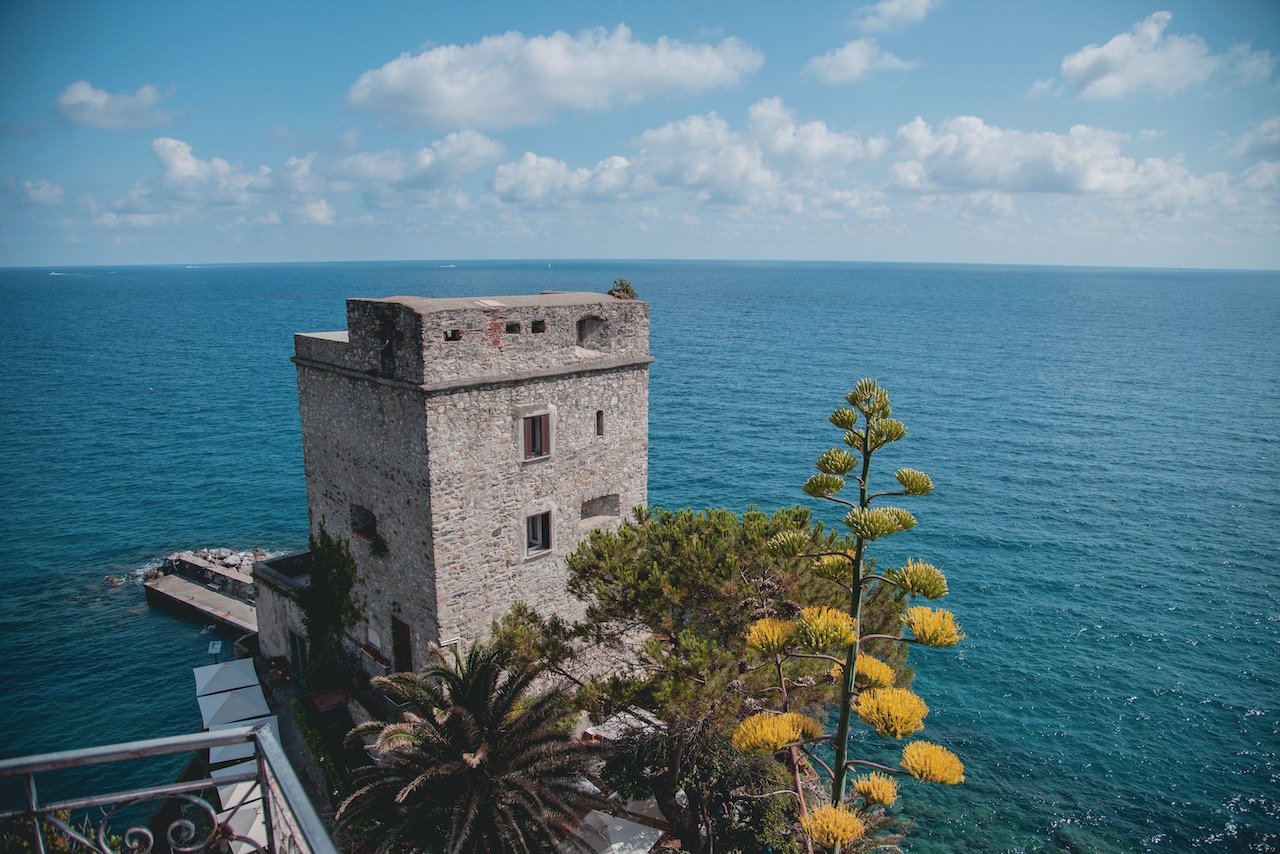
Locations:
(1110, 133)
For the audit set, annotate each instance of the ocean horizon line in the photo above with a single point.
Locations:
(744, 262)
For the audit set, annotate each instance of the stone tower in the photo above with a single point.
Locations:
(465, 446)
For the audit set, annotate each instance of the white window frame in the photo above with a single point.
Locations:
(531, 552)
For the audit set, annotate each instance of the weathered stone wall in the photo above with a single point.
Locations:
(483, 490)
(364, 443)
(277, 615)
(483, 348)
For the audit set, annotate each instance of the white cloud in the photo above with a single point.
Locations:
(1251, 66)
(810, 146)
(1146, 59)
(545, 180)
(1042, 87)
(214, 181)
(966, 154)
(1262, 139)
(445, 160)
(1263, 175)
(111, 219)
(894, 14)
(776, 163)
(41, 193)
(82, 104)
(853, 61)
(318, 212)
(510, 79)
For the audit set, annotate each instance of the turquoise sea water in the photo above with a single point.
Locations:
(1105, 444)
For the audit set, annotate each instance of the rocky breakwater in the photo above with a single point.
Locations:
(228, 571)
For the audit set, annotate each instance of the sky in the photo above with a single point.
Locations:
(1072, 132)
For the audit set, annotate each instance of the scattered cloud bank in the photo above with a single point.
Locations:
(966, 153)
(775, 163)
(445, 159)
(511, 79)
(41, 192)
(1146, 59)
(854, 61)
(893, 15)
(82, 104)
(1263, 139)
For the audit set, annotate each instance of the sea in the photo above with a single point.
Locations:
(1105, 445)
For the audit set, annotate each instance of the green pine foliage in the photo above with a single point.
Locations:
(669, 597)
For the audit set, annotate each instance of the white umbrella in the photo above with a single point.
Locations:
(229, 706)
(246, 821)
(234, 794)
(244, 750)
(215, 678)
(608, 834)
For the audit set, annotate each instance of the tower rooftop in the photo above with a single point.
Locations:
(546, 299)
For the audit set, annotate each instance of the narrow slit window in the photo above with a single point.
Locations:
(363, 523)
(599, 422)
(537, 436)
(538, 529)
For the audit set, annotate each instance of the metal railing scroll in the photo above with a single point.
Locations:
(263, 805)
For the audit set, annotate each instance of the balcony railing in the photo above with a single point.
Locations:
(264, 807)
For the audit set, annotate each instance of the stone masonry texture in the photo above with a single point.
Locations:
(416, 416)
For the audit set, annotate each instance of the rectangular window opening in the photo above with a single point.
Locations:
(363, 523)
(512, 327)
(401, 646)
(538, 326)
(537, 436)
(453, 335)
(538, 533)
(599, 422)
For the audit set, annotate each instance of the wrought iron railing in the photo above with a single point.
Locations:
(266, 808)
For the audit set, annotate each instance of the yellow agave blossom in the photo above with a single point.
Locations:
(831, 826)
(934, 627)
(876, 788)
(894, 712)
(921, 579)
(770, 731)
(872, 672)
(825, 628)
(932, 763)
(770, 635)
(833, 566)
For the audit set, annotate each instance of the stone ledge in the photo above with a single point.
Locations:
(593, 367)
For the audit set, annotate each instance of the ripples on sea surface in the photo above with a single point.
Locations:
(1104, 444)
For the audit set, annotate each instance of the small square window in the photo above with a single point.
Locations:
(513, 327)
(538, 533)
(453, 335)
(538, 326)
(537, 436)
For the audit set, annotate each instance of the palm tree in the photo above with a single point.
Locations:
(477, 767)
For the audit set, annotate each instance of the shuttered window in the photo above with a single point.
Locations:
(537, 436)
